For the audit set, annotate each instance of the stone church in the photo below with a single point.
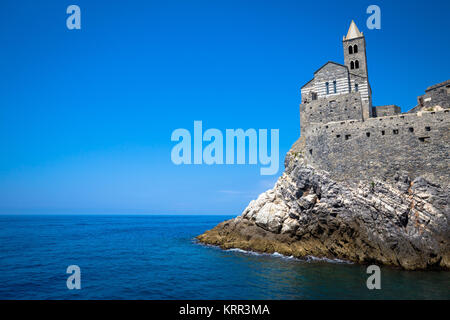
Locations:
(340, 92)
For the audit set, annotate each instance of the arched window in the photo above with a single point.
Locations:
(334, 86)
(356, 64)
(327, 87)
(350, 50)
(356, 87)
(355, 49)
(352, 65)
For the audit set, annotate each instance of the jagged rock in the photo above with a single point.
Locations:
(401, 223)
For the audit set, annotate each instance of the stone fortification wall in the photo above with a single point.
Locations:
(381, 147)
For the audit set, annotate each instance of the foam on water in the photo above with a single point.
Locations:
(279, 255)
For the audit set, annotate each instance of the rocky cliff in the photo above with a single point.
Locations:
(403, 222)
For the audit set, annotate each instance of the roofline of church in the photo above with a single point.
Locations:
(342, 65)
(307, 83)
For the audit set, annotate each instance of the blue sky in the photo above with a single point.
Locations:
(86, 115)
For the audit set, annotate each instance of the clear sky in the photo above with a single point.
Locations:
(86, 115)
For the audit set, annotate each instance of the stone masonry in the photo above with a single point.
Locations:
(347, 137)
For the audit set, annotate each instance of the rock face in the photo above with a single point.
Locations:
(402, 222)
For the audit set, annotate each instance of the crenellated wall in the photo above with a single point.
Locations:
(380, 147)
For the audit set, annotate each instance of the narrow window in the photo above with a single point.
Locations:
(368, 134)
(347, 136)
(355, 49)
(350, 50)
(383, 132)
(356, 64)
(423, 139)
(327, 87)
(338, 136)
(314, 96)
(356, 87)
(395, 131)
(411, 129)
(427, 128)
(310, 151)
(334, 86)
(352, 65)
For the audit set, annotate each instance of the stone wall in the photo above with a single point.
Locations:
(439, 96)
(378, 147)
(336, 108)
(382, 111)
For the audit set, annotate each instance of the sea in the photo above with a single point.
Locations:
(157, 257)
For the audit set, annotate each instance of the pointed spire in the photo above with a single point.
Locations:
(353, 32)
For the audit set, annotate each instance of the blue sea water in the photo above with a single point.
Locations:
(156, 257)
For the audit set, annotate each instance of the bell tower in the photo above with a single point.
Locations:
(355, 59)
(354, 45)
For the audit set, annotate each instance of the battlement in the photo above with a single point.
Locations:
(378, 147)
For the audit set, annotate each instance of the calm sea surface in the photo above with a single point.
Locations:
(156, 257)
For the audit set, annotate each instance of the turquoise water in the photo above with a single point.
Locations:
(156, 257)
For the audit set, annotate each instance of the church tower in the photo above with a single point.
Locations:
(355, 51)
(355, 59)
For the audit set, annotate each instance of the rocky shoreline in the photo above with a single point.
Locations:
(397, 221)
